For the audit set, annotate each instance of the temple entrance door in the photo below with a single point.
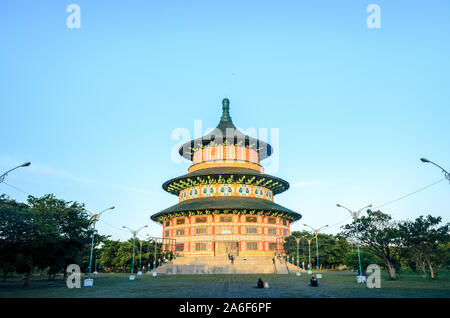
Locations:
(225, 248)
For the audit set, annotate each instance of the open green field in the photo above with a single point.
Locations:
(333, 284)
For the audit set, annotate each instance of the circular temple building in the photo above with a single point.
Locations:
(226, 202)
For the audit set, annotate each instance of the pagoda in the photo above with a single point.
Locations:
(226, 202)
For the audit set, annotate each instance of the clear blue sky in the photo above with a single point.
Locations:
(93, 108)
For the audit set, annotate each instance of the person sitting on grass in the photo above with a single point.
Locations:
(314, 282)
(260, 283)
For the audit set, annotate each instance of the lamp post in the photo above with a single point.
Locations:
(140, 256)
(154, 257)
(303, 255)
(134, 233)
(94, 218)
(303, 250)
(316, 232)
(309, 254)
(355, 216)
(297, 239)
(148, 251)
(3, 176)
(446, 174)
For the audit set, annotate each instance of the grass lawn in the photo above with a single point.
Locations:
(333, 284)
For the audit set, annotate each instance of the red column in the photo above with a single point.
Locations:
(239, 232)
(189, 236)
(239, 224)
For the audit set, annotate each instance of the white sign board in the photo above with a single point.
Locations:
(360, 279)
(88, 282)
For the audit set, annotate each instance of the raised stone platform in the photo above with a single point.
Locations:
(221, 265)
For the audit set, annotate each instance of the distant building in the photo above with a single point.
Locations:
(225, 201)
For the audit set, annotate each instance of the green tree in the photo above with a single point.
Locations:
(351, 260)
(331, 248)
(379, 235)
(44, 233)
(441, 257)
(63, 229)
(108, 253)
(423, 236)
(14, 222)
(117, 256)
(290, 245)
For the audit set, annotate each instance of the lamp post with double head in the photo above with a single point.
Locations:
(134, 233)
(355, 216)
(303, 250)
(316, 232)
(446, 174)
(3, 176)
(94, 218)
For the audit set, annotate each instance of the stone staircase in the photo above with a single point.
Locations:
(221, 265)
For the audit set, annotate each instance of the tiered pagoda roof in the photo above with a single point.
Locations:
(226, 134)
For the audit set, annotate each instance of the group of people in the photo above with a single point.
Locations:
(313, 283)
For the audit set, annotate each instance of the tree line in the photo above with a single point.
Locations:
(422, 245)
(47, 234)
(116, 256)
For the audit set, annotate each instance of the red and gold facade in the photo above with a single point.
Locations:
(226, 202)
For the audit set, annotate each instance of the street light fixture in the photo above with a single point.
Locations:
(303, 251)
(309, 256)
(3, 176)
(316, 232)
(154, 257)
(140, 256)
(95, 218)
(298, 239)
(134, 233)
(309, 253)
(355, 216)
(446, 174)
